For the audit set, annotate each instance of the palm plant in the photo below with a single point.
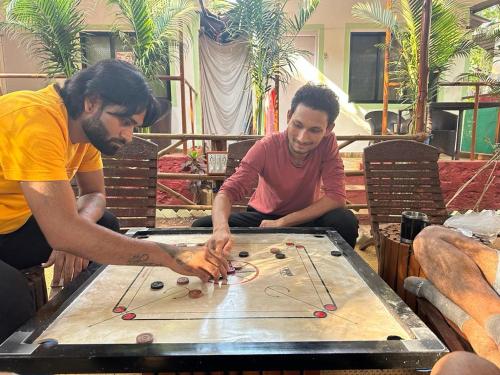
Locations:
(270, 33)
(157, 25)
(449, 39)
(482, 60)
(51, 30)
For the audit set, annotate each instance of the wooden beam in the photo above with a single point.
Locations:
(175, 194)
(423, 66)
(474, 124)
(183, 89)
(388, 5)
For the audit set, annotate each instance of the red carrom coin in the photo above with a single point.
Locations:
(330, 307)
(320, 314)
(119, 309)
(290, 244)
(128, 316)
(182, 281)
(144, 338)
(275, 250)
(195, 293)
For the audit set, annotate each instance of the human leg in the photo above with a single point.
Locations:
(341, 220)
(464, 363)
(449, 262)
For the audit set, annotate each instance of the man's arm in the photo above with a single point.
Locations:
(90, 205)
(92, 200)
(53, 206)
(221, 237)
(312, 212)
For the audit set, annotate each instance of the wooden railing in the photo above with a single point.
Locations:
(219, 142)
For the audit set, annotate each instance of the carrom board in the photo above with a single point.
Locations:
(308, 310)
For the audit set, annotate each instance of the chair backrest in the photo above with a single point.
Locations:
(374, 118)
(402, 175)
(130, 180)
(235, 153)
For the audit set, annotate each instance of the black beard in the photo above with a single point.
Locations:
(99, 137)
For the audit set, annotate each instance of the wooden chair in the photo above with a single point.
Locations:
(235, 153)
(130, 180)
(402, 175)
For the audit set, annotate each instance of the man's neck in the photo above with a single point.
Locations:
(76, 133)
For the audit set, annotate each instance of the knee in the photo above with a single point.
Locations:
(344, 222)
(421, 243)
(463, 363)
(110, 221)
(202, 222)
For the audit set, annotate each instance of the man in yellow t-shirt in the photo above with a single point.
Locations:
(46, 138)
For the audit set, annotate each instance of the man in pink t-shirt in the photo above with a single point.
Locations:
(290, 167)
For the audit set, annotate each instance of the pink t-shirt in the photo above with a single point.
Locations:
(282, 187)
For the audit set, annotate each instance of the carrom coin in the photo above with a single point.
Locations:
(156, 285)
(243, 254)
(144, 338)
(280, 256)
(275, 250)
(182, 281)
(195, 293)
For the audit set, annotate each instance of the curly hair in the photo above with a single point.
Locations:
(318, 97)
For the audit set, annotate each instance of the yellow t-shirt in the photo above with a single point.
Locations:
(35, 146)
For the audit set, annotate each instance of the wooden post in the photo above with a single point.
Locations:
(191, 112)
(423, 66)
(183, 89)
(474, 123)
(276, 126)
(388, 5)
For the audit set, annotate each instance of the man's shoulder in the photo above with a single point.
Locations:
(273, 140)
(32, 103)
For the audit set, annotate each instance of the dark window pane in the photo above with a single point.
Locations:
(366, 68)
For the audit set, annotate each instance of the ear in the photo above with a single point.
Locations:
(91, 104)
(330, 127)
(289, 116)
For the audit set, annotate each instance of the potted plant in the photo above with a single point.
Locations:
(196, 165)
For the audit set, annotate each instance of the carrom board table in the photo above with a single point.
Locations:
(310, 310)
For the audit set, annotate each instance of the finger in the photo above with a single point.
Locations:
(51, 260)
(226, 251)
(85, 264)
(69, 267)
(58, 268)
(212, 271)
(78, 266)
(217, 260)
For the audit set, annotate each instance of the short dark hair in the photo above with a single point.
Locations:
(318, 97)
(114, 82)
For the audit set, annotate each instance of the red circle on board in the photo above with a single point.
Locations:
(119, 309)
(320, 314)
(128, 316)
(300, 247)
(289, 244)
(330, 307)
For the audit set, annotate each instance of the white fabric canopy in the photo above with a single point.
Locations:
(226, 97)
